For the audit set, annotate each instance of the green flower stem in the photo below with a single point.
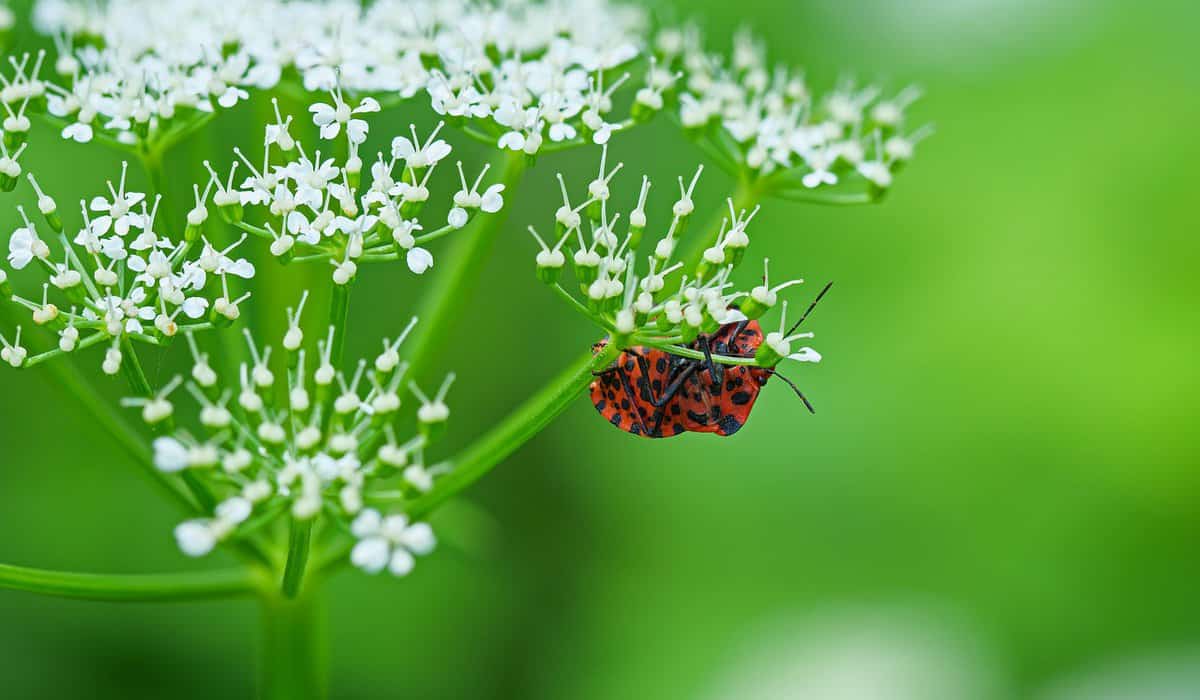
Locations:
(299, 539)
(695, 354)
(339, 309)
(578, 306)
(444, 302)
(203, 496)
(292, 657)
(825, 197)
(226, 583)
(152, 163)
(519, 427)
(496, 445)
(132, 367)
(745, 196)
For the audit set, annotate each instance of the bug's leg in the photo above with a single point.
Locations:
(708, 359)
(716, 370)
(795, 388)
(670, 391)
(633, 398)
(737, 331)
(644, 365)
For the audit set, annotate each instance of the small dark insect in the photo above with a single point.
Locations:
(654, 393)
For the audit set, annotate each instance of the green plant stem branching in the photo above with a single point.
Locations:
(204, 585)
(497, 444)
(299, 539)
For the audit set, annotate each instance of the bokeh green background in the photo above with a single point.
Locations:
(996, 499)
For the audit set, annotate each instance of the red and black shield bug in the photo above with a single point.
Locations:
(654, 393)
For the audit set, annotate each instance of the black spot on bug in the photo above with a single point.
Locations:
(729, 425)
(615, 420)
(600, 405)
(657, 385)
(678, 428)
(698, 417)
(741, 398)
(611, 395)
(625, 404)
(730, 386)
(635, 429)
(629, 365)
(675, 410)
(661, 364)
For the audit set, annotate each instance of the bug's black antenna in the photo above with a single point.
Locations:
(794, 387)
(811, 306)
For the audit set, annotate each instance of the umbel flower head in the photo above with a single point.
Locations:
(292, 435)
(311, 207)
(118, 277)
(753, 117)
(662, 305)
(525, 73)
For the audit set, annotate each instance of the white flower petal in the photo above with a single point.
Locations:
(170, 455)
(401, 563)
(367, 523)
(419, 538)
(458, 217)
(419, 260)
(194, 307)
(806, 354)
(195, 538)
(371, 554)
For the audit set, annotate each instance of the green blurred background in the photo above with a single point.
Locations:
(996, 499)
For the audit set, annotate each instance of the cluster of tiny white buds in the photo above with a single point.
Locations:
(121, 279)
(760, 121)
(633, 307)
(389, 542)
(299, 438)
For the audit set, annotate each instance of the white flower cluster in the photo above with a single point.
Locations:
(16, 95)
(655, 308)
(138, 69)
(768, 120)
(292, 435)
(315, 208)
(119, 278)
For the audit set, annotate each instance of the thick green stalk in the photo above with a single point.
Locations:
(292, 649)
(299, 543)
(501, 441)
(226, 583)
(339, 309)
(152, 163)
(132, 367)
(522, 424)
(456, 280)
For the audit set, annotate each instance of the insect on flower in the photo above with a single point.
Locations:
(655, 393)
